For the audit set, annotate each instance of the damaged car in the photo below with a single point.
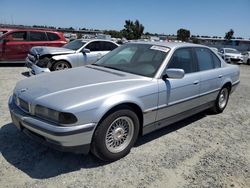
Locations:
(74, 54)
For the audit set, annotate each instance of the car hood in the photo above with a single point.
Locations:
(234, 54)
(69, 87)
(44, 50)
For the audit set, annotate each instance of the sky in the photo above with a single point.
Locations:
(201, 17)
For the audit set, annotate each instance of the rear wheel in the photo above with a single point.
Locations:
(115, 135)
(60, 65)
(221, 101)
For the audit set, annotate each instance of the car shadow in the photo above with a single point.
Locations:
(40, 162)
(11, 64)
(171, 128)
(26, 74)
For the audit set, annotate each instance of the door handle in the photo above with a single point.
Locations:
(196, 82)
(220, 76)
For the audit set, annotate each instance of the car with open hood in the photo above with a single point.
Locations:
(76, 53)
(135, 89)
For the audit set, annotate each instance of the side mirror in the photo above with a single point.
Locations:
(86, 50)
(174, 73)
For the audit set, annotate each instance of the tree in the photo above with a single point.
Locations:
(132, 30)
(113, 33)
(229, 34)
(183, 34)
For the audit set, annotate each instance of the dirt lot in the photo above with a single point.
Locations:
(202, 151)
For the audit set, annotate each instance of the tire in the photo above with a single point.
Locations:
(115, 135)
(222, 100)
(60, 65)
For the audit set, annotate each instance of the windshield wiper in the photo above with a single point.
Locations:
(105, 66)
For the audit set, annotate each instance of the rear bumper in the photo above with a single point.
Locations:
(74, 139)
(34, 68)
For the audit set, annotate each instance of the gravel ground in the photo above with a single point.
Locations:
(202, 151)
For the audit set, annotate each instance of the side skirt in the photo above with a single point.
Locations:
(170, 120)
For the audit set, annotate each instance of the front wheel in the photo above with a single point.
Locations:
(115, 135)
(60, 65)
(221, 101)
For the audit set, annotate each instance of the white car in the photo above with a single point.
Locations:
(77, 53)
(231, 55)
(246, 57)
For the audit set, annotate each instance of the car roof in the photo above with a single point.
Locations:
(88, 40)
(171, 44)
(23, 29)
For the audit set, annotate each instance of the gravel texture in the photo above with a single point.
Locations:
(202, 151)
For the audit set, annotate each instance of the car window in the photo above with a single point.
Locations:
(94, 46)
(52, 36)
(204, 58)
(75, 44)
(123, 56)
(217, 62)
(38, 36)
(108, 46)
(18, 36)
(182, 59)
(232, 51)
(132, 58)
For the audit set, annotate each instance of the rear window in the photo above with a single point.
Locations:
(205, 59)
(38, 36)
(53, 36)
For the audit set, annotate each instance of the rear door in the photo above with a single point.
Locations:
(37, 38)
(14, 47)
(211, 75)
(177, 96)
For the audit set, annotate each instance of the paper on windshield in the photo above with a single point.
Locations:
(160, 48)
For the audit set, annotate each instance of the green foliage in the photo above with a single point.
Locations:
(229, 34)
(132, 30)
(183, 34)
(113, 33)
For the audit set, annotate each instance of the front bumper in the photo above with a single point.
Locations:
(34, 68)
(75, 139)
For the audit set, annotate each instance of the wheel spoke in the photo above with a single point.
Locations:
(119, 134)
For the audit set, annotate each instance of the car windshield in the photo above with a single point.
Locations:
(232, 51)
(74, 45)
(140, 59)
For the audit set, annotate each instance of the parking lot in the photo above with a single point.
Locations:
(205, 150)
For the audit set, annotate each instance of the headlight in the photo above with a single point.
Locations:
(55, 116)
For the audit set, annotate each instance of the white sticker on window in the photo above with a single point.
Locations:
(160, 48)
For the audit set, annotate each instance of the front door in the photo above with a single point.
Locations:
(177, 96)
(14, 47)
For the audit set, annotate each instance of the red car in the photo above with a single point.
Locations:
(16, 43)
